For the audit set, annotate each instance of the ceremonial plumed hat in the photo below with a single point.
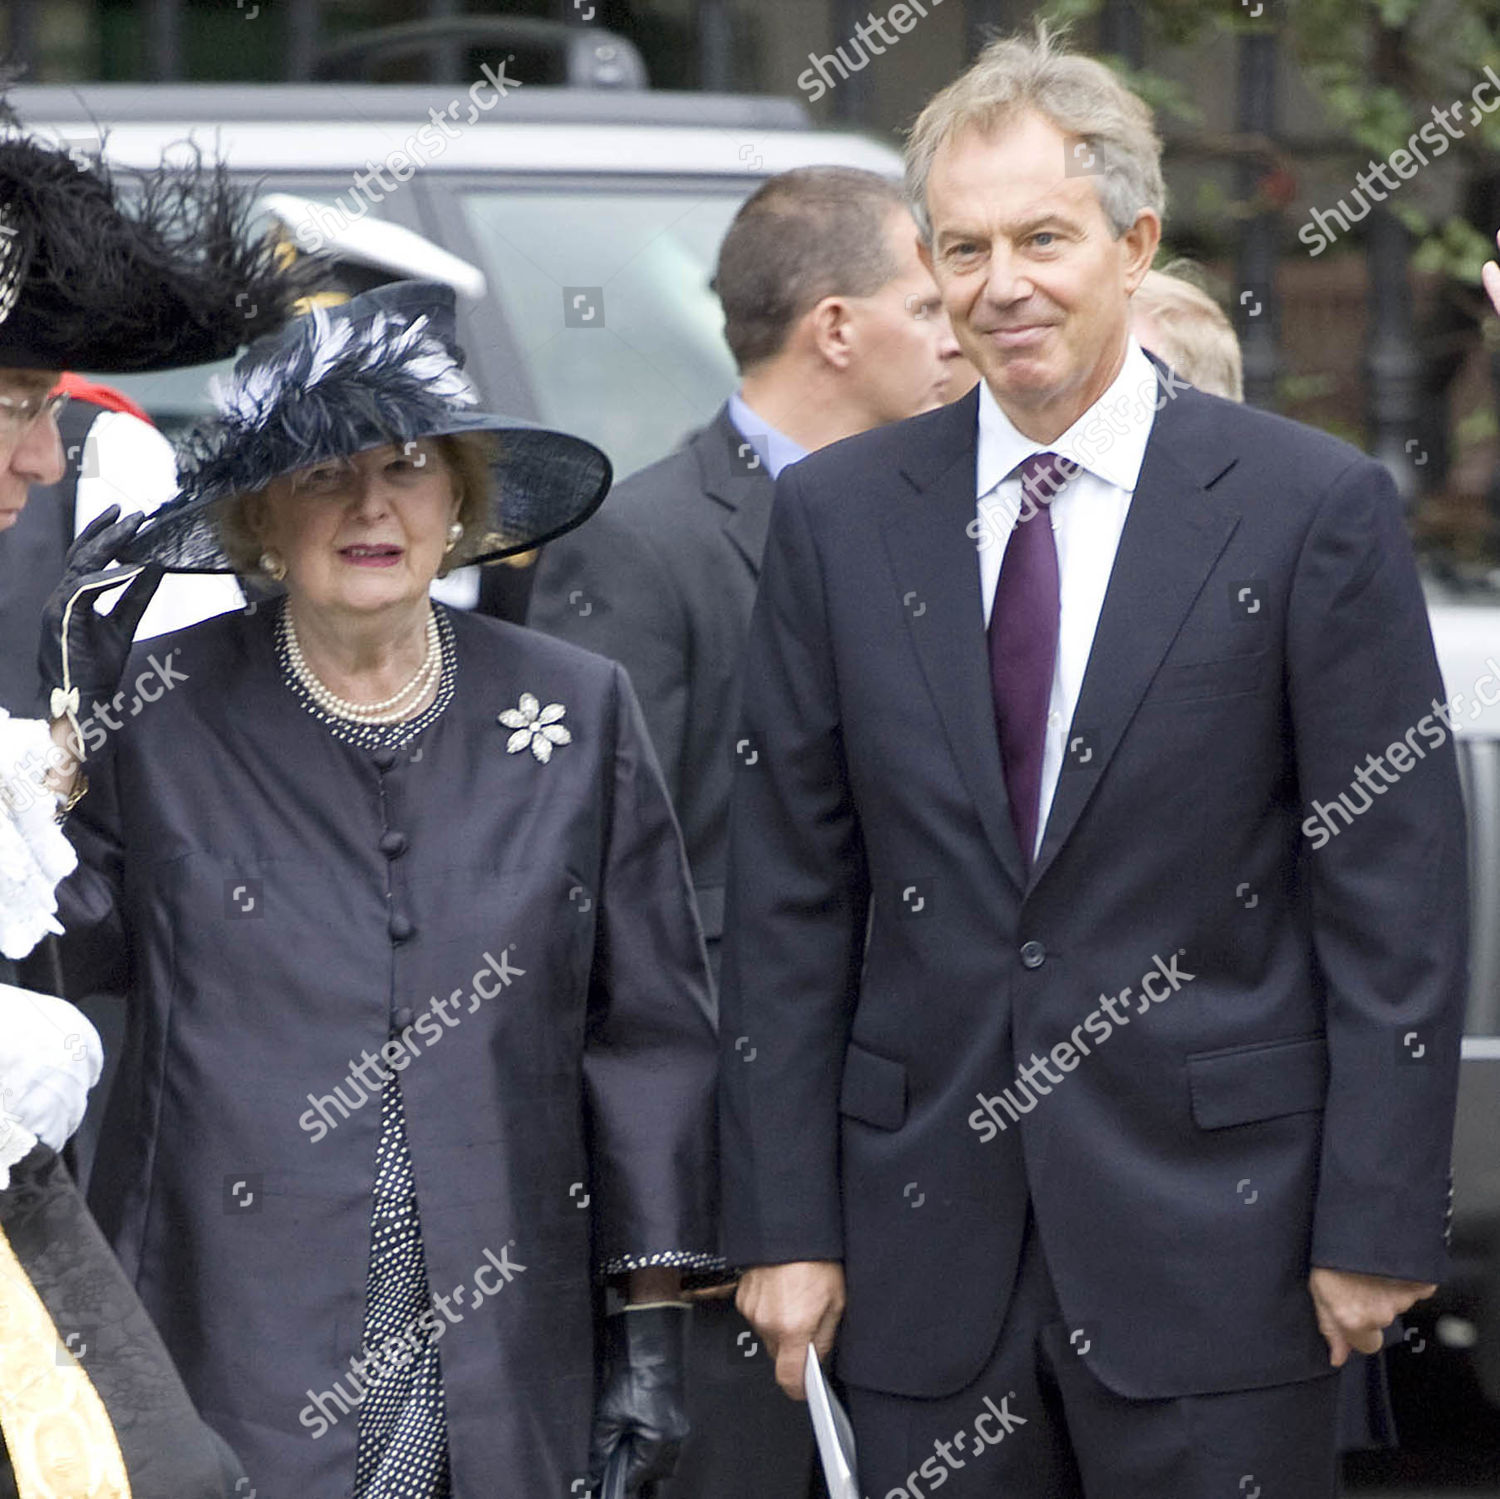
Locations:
(120, 273)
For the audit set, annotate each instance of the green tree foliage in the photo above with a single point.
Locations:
(1378, 67)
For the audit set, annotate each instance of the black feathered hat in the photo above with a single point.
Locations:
(383, 367)
(148, 272)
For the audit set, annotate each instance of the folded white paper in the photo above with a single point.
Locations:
(835, 1436)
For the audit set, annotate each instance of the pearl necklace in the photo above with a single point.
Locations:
(393, 709)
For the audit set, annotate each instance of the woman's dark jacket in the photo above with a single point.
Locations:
(278, 905)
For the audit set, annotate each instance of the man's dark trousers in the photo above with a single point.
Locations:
(1036, 1421)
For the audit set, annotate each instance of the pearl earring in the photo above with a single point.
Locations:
(455, 534)
(272, 565)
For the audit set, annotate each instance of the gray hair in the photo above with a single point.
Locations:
(810, 233)
(1079, 95)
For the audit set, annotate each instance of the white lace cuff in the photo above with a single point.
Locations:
(34, 854)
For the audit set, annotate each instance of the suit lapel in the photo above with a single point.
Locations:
(936, 566)
(736, 478)
(1173, 535)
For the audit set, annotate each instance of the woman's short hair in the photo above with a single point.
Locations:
(468, 458)
(1191, 331)
(803, 235)
(1081, 97)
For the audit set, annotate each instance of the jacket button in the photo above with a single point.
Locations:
(393, 844)
(1033, 954)
(400, 928)
(384, 758)
(402, 1018)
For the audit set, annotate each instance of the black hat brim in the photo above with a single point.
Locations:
(543, 483)
(382, 368)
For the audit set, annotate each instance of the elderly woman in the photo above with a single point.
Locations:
(420, 1057)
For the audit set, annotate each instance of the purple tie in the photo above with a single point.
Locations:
(1023, 641)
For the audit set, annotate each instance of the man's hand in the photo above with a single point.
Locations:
(1490, 274)
(1353, 1310)
(790, 1306)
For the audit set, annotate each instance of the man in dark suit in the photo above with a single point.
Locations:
(1095, 935)
(836, 327)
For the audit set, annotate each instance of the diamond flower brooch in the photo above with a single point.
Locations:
(536, 728)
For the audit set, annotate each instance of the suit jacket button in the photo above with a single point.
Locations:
(383, 758)
(393, 844)
(402, 1018)
(1033, 954)
(400, 928)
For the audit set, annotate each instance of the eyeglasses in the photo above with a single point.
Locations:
(17, 413)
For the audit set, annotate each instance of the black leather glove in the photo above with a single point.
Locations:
(640, 1404)
(83, 653)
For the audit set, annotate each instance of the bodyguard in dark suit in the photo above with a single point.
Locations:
(836, 327)
(1095, 936)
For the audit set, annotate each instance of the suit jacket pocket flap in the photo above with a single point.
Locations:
(1263, 1081)
(874, 1089)
(1188, 681)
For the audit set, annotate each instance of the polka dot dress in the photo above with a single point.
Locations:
(403, 1424)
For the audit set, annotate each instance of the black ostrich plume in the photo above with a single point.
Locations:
(118, 272)
(324, 387)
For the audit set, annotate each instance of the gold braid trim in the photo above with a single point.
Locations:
(58, 1434)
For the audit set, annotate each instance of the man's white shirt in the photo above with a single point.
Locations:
(1108, 442)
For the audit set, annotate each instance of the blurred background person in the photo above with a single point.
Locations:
(836, 327)
(1179, 322)
(1490, 274)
